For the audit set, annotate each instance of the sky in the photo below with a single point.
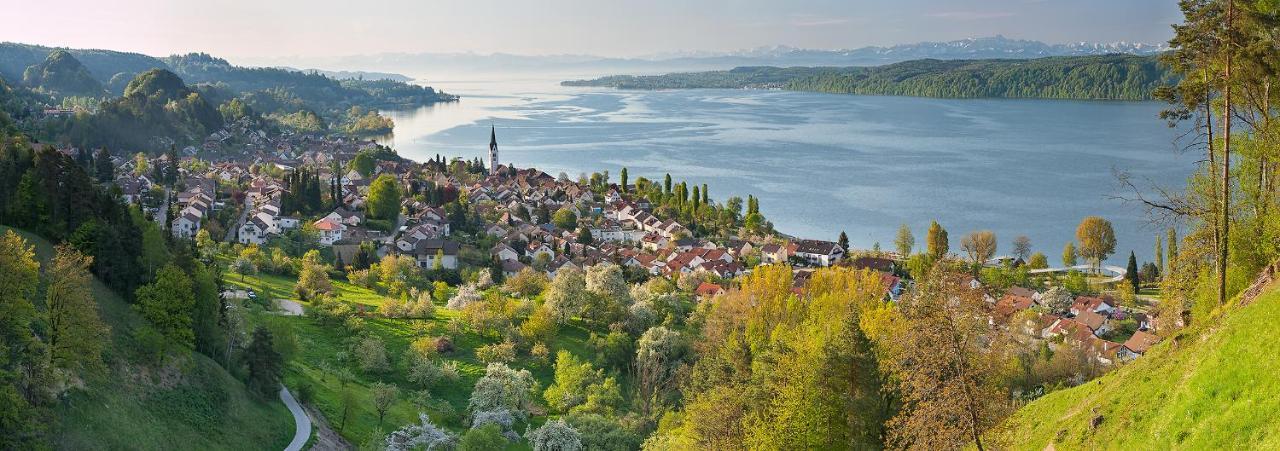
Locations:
(318, 28)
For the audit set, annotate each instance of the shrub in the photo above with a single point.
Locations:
(371, 354)
(504, 352)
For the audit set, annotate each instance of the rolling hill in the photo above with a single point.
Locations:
(1210, 386)
(190, 400)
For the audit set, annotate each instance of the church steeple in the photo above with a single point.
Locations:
(493, 150)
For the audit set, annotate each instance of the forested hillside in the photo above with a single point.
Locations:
(1108, 77)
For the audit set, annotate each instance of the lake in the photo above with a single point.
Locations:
(823, 163)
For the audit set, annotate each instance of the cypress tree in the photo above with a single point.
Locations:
(1131, 271)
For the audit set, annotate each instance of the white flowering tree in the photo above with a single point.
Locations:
(424, 435)
(555, 435)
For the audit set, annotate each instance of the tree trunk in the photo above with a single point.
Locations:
(1224, 249)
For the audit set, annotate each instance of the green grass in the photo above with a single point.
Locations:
(201, 406)
(319, 348)
(1213, 386)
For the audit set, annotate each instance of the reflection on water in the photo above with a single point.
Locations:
(825, 163)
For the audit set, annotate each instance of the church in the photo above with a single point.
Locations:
(493, 150)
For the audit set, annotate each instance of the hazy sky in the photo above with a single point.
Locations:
(282, 28)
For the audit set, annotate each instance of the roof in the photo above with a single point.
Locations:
(817, 247)
(328, 225)
(1091, 320)
(432, 246)
(1141, 341)
(708, 289)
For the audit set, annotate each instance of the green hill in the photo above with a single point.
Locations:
(190, 404)
(1208, 387)
(1098, 77)
(62, 74)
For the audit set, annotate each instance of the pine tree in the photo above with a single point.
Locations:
(1131, 271)
(843, 242)
(264, 363)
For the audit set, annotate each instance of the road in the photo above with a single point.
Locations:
(1117, 272)
(300, 420)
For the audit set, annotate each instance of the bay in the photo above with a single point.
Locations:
(826, 163)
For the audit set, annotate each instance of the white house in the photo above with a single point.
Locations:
(818, 253)
(329, 231)
(426, 252)
(186, 224)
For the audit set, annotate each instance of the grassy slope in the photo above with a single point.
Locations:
(209, 409)
(1213, 387)
(319, 347)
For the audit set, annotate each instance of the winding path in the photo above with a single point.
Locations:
(1117, 273)
(300, 420)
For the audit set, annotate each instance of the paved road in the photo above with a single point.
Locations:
(1117, 272)
(300, 419)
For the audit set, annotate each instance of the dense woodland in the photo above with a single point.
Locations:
(1109, 77)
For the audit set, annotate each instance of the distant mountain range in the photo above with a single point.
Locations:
(434, 64)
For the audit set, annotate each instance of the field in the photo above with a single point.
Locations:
(194, 401)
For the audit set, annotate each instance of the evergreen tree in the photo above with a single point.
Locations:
(265, 364)
(843, 241)
(105, 171)
(623, 177)
(1131, 272)
(666, 185)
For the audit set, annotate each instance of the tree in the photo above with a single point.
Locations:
(1173, 250)
(502, 388)
(265, 364)
(658, 355)
(76, 331)
(422, 435)
(565, 218)
(573, 380)
(623, 179)
(1037, 261)
(567, 294)
(1022, 247)
(1131, 272)
(555, 435)
(843, 242)
(1097, 240)
(205, 245)
(979, 246)
(106, 172)
(364, 163)
(486, 437)
(1159, 263)
(167, 303)
(904, 242)
(384, 198)
(666, 184)
(313, 277)
(947, 366)
(21, 368)
(1069, 255)
(938, 245)
(384, 395)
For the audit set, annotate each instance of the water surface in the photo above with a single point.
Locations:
(823, 163)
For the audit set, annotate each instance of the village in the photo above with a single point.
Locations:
(465, 218)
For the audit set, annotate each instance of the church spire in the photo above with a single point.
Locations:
(493, 150)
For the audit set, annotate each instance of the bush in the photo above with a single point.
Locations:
(486, 438)
(371, 354)
(423, 371)
(504, 352)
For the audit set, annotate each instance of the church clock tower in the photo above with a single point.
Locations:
(493, 150)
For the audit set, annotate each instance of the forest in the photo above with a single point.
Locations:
(1106, 77)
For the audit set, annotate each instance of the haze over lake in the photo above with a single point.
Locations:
(822, 163)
